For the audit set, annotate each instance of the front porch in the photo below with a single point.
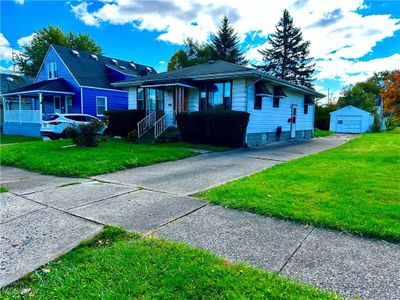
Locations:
(24, 108)
(162, 100)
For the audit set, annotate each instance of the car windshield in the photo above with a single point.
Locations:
(50, 117)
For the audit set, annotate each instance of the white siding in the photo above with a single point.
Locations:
(239, 94)
(132, 97)
(269, 118)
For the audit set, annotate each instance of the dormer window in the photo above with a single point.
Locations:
(114, 61)
(148, 69)
(133, 65)
(94, 56)
(52, 70)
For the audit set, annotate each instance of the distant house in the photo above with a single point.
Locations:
(276, 107)
(69, 81)
(8, 82)
(351, 119)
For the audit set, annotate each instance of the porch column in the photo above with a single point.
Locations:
(40, 106)
(20, 108)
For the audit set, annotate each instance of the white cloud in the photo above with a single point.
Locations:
(339, 34)
(25, 40)
(20, 2)
(6, 52)
(81, 12)
(162, 62)
(350, 72)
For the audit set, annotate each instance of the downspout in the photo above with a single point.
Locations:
(19, 107)
(81, 100)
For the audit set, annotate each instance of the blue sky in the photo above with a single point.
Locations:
(350, 39)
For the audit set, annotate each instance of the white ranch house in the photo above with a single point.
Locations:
(272, 103)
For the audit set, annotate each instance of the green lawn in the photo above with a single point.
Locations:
(322, 133)
(51, 157)
(118, 265)
(3, 189)
(354, 187)
(11, 139)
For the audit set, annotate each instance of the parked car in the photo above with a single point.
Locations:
(54, 125)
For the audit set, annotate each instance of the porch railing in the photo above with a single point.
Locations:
(160, 126)
(144, 125)
(22, 116)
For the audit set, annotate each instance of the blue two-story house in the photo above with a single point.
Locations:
(69, 81)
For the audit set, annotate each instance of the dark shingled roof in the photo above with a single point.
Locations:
(12, 81)
(210, 68)
(216, 70)
(89, 71)
(54, 85)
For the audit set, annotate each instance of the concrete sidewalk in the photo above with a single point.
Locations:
(41, 220)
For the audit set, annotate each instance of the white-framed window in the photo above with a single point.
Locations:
(101, 105)
(52, 70)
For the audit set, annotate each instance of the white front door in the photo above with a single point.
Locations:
(293, 121)
(57, 104)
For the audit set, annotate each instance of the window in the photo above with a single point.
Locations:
(203, 97)
(305, 109)
(215, 95)
(52, 70)
(258, 102)
(340, 121)
(276, 102)
(101, 105)
(68, 100)
(155, 99)
(159, 100)
(140, 99)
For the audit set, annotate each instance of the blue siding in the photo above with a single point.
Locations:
(63, 72)
(115, 100)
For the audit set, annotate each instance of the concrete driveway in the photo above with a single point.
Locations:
(43, 217)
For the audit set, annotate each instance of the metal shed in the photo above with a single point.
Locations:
(351, 119)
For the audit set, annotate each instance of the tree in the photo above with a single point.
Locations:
(391, 94)
(194, 53)
(363, 94)
(225, 44)
(32, 55)
(287, 55)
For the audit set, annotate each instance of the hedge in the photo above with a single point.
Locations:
(120, 122)
(219, 128)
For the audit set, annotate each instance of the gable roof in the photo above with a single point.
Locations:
(351, 110)
(53, 85)
(216, 70)
(96, 70)
(12, 81)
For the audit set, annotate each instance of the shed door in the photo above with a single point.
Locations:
(348, 124)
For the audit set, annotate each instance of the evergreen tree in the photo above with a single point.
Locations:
(32, 55)
(225, 44)
(287, 55)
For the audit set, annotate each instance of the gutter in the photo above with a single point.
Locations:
(249, 73)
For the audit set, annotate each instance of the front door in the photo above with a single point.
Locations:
(293, 121)
(57, 104)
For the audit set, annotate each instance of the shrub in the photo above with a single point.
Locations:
(132, 135)
(85, 134)
(376, 126)
(219, 128)
(121, 122)
(391, 123)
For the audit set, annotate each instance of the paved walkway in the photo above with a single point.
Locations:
(42, 217)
